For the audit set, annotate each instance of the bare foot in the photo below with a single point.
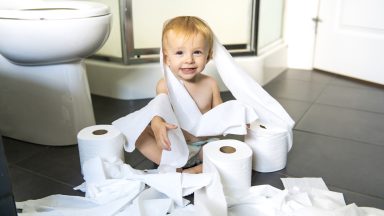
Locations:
(194, 170)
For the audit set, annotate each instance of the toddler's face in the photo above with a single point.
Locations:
(186, 56)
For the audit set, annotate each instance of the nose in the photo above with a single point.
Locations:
(190, 59)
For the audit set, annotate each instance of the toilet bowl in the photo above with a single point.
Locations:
(48, 32)
(44, 92)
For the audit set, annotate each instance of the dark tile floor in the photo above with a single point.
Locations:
(339, 136)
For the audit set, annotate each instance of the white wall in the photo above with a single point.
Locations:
(112, 46)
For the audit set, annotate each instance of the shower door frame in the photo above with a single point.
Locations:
(130, 55)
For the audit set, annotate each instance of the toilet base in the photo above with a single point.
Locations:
(46, 104)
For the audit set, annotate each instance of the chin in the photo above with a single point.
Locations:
(189, 76)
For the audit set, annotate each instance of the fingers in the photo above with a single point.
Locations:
(170, 126)
(161, 135)
(166, 142)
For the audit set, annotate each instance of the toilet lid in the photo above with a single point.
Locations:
(52, 10)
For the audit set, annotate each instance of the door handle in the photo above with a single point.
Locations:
(317, 20)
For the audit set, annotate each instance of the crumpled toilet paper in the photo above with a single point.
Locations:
(301, 197)
(174, 185)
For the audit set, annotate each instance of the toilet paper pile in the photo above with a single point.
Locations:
(224, 188)
(115, 188)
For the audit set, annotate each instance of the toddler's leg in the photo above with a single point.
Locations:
(196, 169)
(146, 144)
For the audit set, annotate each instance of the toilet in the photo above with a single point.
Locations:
(44, 92)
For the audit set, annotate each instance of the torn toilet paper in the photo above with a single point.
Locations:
(301, 197)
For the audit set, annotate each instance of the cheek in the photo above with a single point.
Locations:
(203, 61)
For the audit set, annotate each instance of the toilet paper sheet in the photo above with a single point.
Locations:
(134, 124)
(212, 122)
(116, 173)
(245, 89)
(260, 200)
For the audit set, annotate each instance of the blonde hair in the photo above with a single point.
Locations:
(187, 26)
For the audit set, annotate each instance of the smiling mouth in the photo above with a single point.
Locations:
(188, 70)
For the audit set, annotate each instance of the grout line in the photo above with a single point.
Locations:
(27, 156)
(43, 176)
(351, 108)
(342, 138)
(355, 192)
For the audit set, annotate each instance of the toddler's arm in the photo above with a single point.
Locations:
(158, 125)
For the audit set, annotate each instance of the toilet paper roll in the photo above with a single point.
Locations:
(104, 141)
(233, 161)
(269, 146)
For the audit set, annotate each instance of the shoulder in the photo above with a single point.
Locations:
(209, 80)
(161, 87)
(214, 84)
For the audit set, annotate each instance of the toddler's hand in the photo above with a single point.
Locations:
(160, 128)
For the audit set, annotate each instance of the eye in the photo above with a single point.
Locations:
(198, 52)
(179, 53)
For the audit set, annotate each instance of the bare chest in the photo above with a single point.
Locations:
(202, 95)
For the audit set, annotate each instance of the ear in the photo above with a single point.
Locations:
(166, 59)
(210, 55)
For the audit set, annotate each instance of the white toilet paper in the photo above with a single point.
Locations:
(233, 161)
(134, 124)
(269, 146)
(104, 141)
(210, 123)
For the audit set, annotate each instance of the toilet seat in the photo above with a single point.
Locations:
(53, 10)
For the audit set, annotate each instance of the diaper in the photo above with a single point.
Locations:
(194, 149)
